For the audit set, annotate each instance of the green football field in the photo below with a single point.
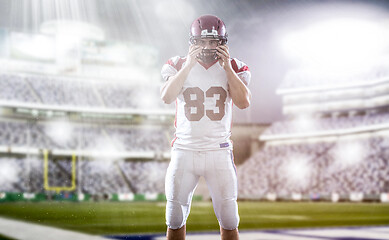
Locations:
(107, 218)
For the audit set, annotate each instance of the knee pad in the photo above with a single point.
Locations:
(229, 217)
(176, 214)
(229, 223)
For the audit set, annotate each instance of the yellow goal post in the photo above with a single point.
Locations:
(57, 189)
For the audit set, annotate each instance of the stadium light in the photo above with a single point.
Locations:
(347, 154)
(36, 46)
(61, 131)
(117, 53)
(148, 99)
(34, 113)
(304, 123)
(108, 149)
(338, 44)
(8, 172)
(298, 169)
(81, 30)
(65, 42)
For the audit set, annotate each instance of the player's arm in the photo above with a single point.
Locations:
(173, 85)
(240, 94)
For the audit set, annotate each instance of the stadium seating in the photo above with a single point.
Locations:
(84, 137)
(317, 168)
(309, 168)
(327, 124)
(14, 88)
(93, 176)
(304, 78)
(73, 92)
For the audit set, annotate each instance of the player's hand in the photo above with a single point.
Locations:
(191, 58)
(224, 56)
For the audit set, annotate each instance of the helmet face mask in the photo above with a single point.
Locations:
(208, 27)
(208, 55)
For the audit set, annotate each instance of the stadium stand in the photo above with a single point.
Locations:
(317, 168)
(312, 168)
(101, 176)
(14, 88)
(146, 176)
(304, 78)
(98, 175)
(324, 147)
(83, 136)
(320, 124)
(60, 91)
(75, 93)
(95, 175)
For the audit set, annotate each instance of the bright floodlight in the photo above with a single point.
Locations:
(298, 169)
(304, 123)
(81, 30)
(338, 44)
(8, 172)
(117, 53)
(108, 148)
(60, 131)
(349, 154)
(37, 46)
(148, 99)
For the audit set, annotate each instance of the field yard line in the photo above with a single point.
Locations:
(31, 231)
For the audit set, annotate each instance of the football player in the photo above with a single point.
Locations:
(205, 84)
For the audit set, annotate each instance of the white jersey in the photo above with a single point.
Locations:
(204, 105)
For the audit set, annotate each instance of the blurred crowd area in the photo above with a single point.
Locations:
(350, 153)
(342, 166)
(41, 135)
(327, 124)
(76, 93)
(93, 176)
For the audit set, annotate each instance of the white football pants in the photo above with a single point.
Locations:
(183, 173)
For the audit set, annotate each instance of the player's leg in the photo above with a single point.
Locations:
(229, 234)
(222, 183)
(180, 184)
(176, 234)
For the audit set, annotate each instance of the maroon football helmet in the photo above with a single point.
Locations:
(208, 26)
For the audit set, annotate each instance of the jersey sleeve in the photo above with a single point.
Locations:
(171, 67)
(242, 70)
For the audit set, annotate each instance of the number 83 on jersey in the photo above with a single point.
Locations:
(198, 103)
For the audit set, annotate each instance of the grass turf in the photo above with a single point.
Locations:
(2, 237)
(106, 218)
